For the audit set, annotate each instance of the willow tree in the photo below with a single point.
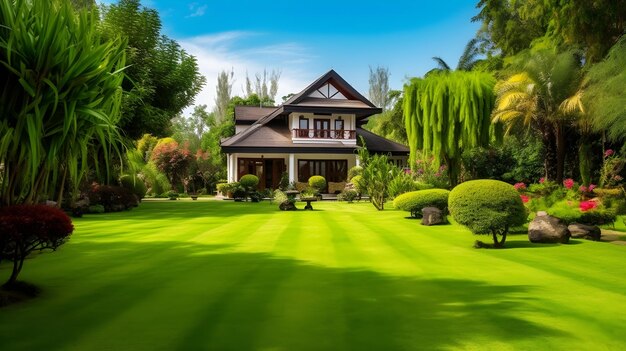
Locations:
(60, 93)
(448, 112)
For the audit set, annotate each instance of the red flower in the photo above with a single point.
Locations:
(525, 198)
(587, 205)
(519, 186)
(591, 187)
(583, 189)
(568, 183)
(608, 153)
(542, 180)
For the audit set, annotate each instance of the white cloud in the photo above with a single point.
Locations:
(218, 52)
(198, 11)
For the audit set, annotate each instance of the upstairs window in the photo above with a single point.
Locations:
(338, 124)
(304, 123)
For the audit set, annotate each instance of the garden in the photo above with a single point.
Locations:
(231, 276)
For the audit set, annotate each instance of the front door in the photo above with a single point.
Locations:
(322, 128)
(268, 170)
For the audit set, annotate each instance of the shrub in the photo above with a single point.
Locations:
(26, 228)
(357, 181)
(172, 195)
(400, 184)
(135, 185)
(348, 195)
(376, 177)
(113, 198)
(572, 212)
(249, 181)
(96, 209)
(415, 201)
(355, 171)
(317, 182)
(487, 207)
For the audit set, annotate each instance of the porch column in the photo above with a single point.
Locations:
(228, 168)
(292, 168)
(232, 168)
(358, 161)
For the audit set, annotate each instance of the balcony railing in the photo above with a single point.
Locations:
(324, 133)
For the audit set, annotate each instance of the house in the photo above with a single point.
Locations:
(315, 132)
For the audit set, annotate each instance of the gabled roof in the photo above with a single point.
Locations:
(338, 82)
(252, 113)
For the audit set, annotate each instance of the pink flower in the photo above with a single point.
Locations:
(591, 187)
(525, 198)
(583, 189)
(608, 153)
(568, 183)
(542, 180)
(587, 205)
(519, 186)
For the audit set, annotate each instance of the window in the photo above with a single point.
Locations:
(338, 124)
(332, 170)
(304, 123)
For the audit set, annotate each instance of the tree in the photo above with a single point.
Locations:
(27, 228)
(390, 123)
(604, 93)
(173, 160)
(467, 61)
(545, 96)
(223, 91)
(447, 112)
(60, 101)
(265, 86)
(161, 80)
(377, 173)
(379, 87)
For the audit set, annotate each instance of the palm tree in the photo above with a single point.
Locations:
(546, 97)
(467, 61)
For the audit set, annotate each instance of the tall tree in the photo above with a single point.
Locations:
(265, 85)
(467, 61)
(161, 80)
(223, 91)
(545, 96)
(60, 98)
(379, 87)
(447, 112)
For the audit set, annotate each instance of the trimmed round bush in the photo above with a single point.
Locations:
(317, 182)
(415, 201)
(249, 181)
(487, 207)
(135, 185)
(355, 171)
(357, 181)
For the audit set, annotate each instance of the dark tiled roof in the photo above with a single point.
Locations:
(377, 144)
(252, 113)
(317, 102)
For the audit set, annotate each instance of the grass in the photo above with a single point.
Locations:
(211, 275)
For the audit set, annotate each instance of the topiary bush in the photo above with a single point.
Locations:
(317, 182)
(359, 185)
(113, 198)
(487, 207)
(415, 201)
(348, 195)
(355, 171)
(249, 181)
(135, 185)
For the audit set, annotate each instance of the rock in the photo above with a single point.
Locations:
(548, 229)
(431, 216)
(542, 213)
(287, 206)
(589, 232)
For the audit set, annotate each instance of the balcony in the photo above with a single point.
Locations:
(332, 134)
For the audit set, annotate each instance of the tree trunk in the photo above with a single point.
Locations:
(584, 160)
(549, 146)
(18, 261)
(560, 151)
(499, 244)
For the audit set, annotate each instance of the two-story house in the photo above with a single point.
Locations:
(315, 132)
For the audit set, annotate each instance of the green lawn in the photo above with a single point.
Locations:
(215, 275)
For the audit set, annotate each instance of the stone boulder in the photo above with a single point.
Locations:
(547, 229)
(287, 206)
(431, 216)
(589, 232)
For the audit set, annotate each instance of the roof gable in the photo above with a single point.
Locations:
(330, 86)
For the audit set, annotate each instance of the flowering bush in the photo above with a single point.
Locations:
(520, 186)
(587, 205)
(568, 183)
(612, 166)
(525, 198)
(427, 172)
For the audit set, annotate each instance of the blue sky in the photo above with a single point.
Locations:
(304, 39)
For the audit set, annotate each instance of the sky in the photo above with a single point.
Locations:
(305, 39)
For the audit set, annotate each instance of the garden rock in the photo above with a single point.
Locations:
(431, 216)
(589, 232)
(287, 206)
(547, 229)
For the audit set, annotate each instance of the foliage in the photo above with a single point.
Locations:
(487, 207)
(96, 209)
(348, 195)
(249, 181)
(401, 183)
(26, 228)
(317, 182)
(377, 174)
(156, 181)
(265, 90)
(359, 185)
(172, 195)
(162, 79)
(604, 93)
(446, 113)
(135, 185)
(223, 91)
(355, 171)
(390, 123)
(571, 212)
(543, 97)
(146, 144)
(612, 166)
(426, 171)
(60, 84)
(467, 61)
(284, 181)
(113, 198)
(172, 160)
(379, 87)
(415, 201)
